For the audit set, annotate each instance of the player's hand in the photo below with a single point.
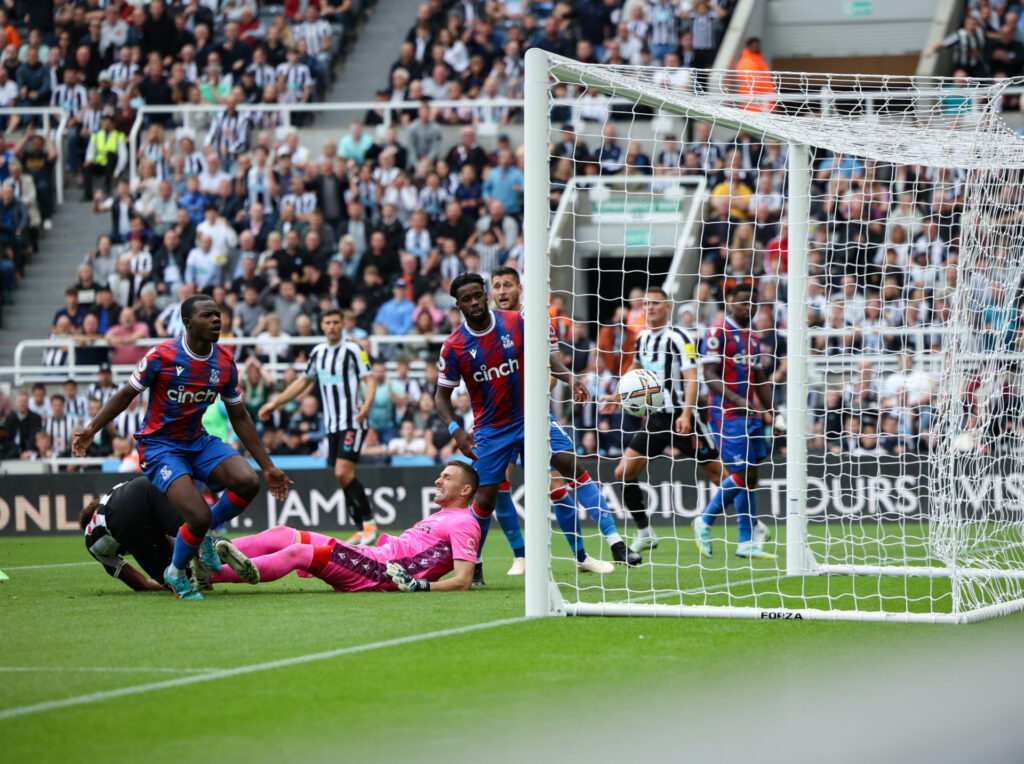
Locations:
(81, 441)
(265, 411)
(580, 393)
(466, 443)
(361, 416)
(767, 417)
(278, 483)
(404, 581)
(684, 423)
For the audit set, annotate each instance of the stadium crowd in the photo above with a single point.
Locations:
(379, 221)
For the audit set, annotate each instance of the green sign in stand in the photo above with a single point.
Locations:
(859, 8)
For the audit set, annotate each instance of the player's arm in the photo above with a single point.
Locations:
(561, 372)
(115, 404)
(138, 581)
(368, 396)
(298, 386)
(241, 422)
(445, 410)
(716, 384)
(461, 579)
(684, 423)
(763, 391)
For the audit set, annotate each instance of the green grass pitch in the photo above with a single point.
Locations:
(67, 630)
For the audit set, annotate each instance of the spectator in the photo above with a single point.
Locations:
(22, 424)
(123, 337)
(396, 314)
(105, 156)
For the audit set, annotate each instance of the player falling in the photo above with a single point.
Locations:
(741, 405)
(507, 292)
(340, 366)
(671, 355)
(184, 376)
(445, 541)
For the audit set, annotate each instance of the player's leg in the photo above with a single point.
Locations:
(508, 519)
(705, 449)
(496, 450)
(627, 471)
(185, 496)
(565, 509)
(269, 567)
(269, 541)
(343, 449)
(755, 450)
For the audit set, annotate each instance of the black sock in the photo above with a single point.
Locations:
(358, 505)
(633, 498)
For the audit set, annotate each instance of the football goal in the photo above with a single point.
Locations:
(873, 228)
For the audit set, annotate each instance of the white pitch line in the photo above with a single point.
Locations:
(95, 697)
(694, 592)
(108, 669)
(41, 567)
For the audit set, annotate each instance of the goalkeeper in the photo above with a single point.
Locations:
(446, 541)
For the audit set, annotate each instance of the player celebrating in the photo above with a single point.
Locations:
(184, 376)
(507, 292)
(671, 355)
(340, 366)
(412, 562)
(736, 382)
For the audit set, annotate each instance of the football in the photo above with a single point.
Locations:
(640, 392)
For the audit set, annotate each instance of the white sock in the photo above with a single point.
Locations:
(645, 533)
(614, 539)
(173, 572)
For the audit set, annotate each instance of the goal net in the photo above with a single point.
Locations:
(879, 224)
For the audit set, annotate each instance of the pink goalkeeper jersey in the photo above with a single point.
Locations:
(427, 550)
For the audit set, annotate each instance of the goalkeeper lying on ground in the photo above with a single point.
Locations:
(413, 562)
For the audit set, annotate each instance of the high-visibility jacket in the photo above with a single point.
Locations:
(105, 144)
(755, 78)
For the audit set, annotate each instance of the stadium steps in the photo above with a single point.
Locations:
(52, 269)
(369, 58)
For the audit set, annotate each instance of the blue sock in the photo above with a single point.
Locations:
(589, 497)
(569, 522)
(746, 511)
(485, 524)
(509, 522)
(229, 506)
(183, 550)
(725, 495)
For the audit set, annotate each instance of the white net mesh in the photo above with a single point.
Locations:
(679, 180)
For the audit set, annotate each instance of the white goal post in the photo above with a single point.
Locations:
(956, 553)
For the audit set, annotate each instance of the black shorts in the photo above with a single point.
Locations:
(141, 519)
(660, 433)
(345, 444)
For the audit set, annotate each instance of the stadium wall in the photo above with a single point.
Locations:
(838, 490)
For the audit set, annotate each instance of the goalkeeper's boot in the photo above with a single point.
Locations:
(622, 553)
(235, 559)
(181, 586)
(208, 554)
(647, 540)
(702, 536)
(752, 550)
(518, 567)
(761, 534)
(478, 574)
(590, 565)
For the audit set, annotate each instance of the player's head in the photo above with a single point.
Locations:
(506, 288)
(85, 516)
(738, 300)
(330, 324)
(470, 293)
(201, 317)
(657, 306)
(456, 485)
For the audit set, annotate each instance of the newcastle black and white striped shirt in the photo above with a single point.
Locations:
(962, 44)
(60, 432)
(228, 133)
(195, 163)
(704, 27)
(72, 99)
(296, 77)
(668, 352)
(317, 35)
(664, 27)
(78, 407)
(304, 203)
(129, 422)
(121, 71)
(262, 75)
(101, 394)
(339, 369)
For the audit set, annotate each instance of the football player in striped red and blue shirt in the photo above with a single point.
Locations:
(184, 376)
(486, 353)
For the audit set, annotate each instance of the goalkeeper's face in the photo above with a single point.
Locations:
(451, 488)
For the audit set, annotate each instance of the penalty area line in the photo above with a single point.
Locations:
(95, 697)
(52, 565)
(107, 669)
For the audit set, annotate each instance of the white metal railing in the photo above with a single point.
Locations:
(22, 373)
(62, 123)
